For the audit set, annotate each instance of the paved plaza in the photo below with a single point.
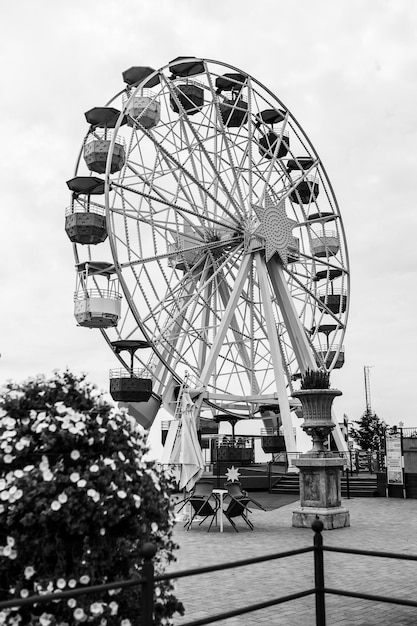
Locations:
(376, 524)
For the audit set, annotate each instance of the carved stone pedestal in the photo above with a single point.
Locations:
(320, 493)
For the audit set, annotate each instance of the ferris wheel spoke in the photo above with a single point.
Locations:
(197, 146)
(144, 217)
(198, 288)
(175, 166)
(168, 349)
(226, 143)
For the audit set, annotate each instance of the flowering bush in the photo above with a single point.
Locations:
(77, 502)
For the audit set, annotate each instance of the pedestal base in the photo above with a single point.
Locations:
(337, 517)
(320, 493)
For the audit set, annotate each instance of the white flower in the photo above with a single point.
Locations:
(61, 583)
(29, 571)
(10, 541)
(96, 608)
(62, 498)
(84, 580)
(114, 607)
(102, 531)
(121, 456)
(60, 408)
(45, 619)
(48, 476)
(75, 455)
(81, 483)
(72, 603)
(44, 465)
(125, 622)
(8, 458)
(122, 494)
(24, 593)
(92, 493)
(74, 477)
(154, 527)
(79, 614)
(55, 505)
(94, 468)
(72, 583)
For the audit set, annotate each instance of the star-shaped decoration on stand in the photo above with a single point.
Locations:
(275, 228)
(232, 474)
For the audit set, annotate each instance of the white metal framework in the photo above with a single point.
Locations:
(226, 238)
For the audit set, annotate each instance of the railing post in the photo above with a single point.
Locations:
(347, 484)
(317, 526)
(148, 552)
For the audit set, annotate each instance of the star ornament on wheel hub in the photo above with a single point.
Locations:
(275, 228)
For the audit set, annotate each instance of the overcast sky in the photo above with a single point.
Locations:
(346, 69)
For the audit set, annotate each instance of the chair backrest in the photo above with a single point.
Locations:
(202, 506)
(202, 489)
(234, 490)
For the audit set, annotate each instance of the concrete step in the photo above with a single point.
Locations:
(358, 487)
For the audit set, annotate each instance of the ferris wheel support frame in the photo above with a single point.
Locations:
(295, 329)
(225, 323)
(283, 402)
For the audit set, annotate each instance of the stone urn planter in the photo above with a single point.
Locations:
(317, 413)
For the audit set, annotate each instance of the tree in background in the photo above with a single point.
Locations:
(369, 433)
(77, 503)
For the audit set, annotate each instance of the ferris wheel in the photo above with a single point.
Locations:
(207, 234)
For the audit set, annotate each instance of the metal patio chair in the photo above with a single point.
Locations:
(202, 506)
(238, 507)
(201, 489)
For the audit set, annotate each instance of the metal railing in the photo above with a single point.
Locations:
(409, 433)
(147, 580)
